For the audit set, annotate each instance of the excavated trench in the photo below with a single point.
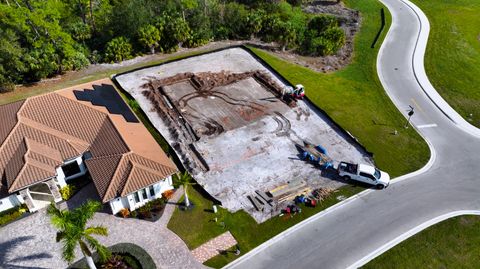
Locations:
(185, 103)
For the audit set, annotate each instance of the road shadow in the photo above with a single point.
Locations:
(15, 245)
(105, 95)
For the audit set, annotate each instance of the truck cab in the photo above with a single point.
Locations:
(363, 173)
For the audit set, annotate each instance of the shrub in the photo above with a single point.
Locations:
(168, 194)
(67, 192)
(7, 87)
(124, 212)
(133, 255)
(134, 214)
(115, 262)
(12, 214)
(118, 49)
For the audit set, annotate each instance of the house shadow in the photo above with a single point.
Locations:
(15, 245)
(105, 95)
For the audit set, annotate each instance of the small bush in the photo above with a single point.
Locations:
(168, 194)
(7, 87)
(134, 214)
(115, 262)
(124, 212)
(67, 192)
(12, 214)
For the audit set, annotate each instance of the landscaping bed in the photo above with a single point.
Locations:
(123, 254)
(13, 214)
(151, 211)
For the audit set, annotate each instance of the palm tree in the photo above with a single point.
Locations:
(72, 231)
(185, 179)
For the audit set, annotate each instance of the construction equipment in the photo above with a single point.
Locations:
(298, 92)
(315, 154)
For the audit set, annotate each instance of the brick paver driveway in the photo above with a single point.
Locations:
(30, 242)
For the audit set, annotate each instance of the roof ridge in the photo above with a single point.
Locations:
(159, 163)
(127, 183)
(37, 164)
(30, 147)
(57, 133)
(16, 124)
(15, 182)
(113, 176)
(119, 134)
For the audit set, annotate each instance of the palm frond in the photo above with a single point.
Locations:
(85, 212)
(101, 249)
(58, 217)
(99, 230)
(68, 252)
(186, 179)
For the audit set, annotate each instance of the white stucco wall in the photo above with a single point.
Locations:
(62, 180)
(129, 201)
(10, 202)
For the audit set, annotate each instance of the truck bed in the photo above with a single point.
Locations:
(348, 167)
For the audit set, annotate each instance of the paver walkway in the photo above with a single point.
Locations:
(170, 207)
(213, 247)
(30, 242)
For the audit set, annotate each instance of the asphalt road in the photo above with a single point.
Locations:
(364, 226)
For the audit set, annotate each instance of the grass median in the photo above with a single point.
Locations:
(454, 243)
(453, 53)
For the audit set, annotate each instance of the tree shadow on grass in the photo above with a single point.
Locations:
(15, 245)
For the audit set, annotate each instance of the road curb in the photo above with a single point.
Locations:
(328, 210)
(422, 78)
(410, 233)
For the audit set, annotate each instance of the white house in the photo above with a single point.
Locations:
(48, 140)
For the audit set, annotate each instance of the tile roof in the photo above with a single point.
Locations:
(133, 172)
(38, 134)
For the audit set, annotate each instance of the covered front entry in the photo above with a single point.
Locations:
(41, 195)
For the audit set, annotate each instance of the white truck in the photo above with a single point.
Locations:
(363, 173)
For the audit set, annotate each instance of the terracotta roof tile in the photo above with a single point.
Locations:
(40, 133)
(9, 119)
(65, 115)
(108, 141)
(102, 170)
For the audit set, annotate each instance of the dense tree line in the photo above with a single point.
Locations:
(41, 38)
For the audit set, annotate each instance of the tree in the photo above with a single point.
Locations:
(149, 36)
(72, 231)
(177, 31)
(254, 22)
(285, 34)
(118, 49)
(185, 179)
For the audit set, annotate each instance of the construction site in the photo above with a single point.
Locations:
(238, 130)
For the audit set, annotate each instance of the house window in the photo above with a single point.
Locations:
(137, 198)
(152, 191)
(71, 169)
(144, 194)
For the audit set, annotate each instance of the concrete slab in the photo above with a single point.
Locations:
(249, 155)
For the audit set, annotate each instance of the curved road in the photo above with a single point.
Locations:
(362, 228)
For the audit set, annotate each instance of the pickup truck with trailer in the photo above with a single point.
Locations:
(363, 173)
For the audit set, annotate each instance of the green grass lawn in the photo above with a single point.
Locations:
(454, 243)
(453, 53)
(355, 99)
(197, 226)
